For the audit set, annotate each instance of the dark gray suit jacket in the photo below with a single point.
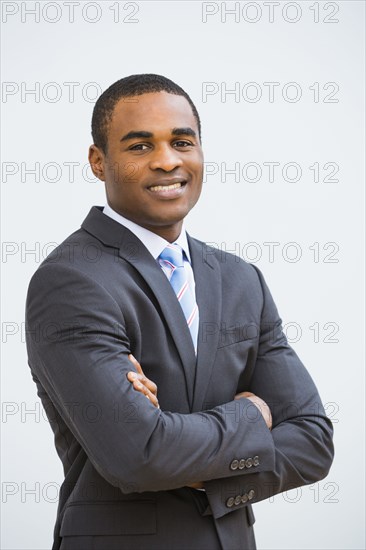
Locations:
(100, 296)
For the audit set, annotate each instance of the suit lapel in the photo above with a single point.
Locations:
(148, 268)
(131, 249)
(208, 295)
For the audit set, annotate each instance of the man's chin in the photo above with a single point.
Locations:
(163, 223)
(165, 218)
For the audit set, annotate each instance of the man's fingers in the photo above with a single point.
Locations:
(145, 390)
(143, 379)
(260, 404)
(132, 376)
(263, 408)
(148, 383)
(141, 383)
(135, 363)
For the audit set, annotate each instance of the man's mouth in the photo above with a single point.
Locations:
(167, 188)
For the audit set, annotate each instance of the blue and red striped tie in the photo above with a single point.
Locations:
(171, 259)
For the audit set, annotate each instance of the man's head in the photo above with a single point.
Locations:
(128, 87)
(147, 150)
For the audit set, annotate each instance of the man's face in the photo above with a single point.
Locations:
(153, 166)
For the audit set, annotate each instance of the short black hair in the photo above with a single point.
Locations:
(133, 85)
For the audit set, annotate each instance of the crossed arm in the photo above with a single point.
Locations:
(148, 388)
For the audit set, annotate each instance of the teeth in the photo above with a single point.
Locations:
(165, 187)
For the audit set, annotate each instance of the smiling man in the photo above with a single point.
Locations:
(231, 417)
(153, 172)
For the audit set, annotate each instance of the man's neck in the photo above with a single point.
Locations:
(169, 233)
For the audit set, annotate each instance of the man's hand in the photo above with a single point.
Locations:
(141, 383)
(260, 404)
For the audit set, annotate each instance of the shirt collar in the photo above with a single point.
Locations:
(152, 241)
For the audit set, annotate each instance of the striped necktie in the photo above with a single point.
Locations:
(171, 259)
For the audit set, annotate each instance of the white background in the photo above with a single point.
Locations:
(306, 43)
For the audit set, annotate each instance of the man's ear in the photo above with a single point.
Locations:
(97, 160)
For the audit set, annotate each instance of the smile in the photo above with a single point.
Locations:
(166, 188)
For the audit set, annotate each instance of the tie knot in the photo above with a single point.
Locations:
(173, 254)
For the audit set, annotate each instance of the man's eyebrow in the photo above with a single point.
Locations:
(143, 134)
(183, 131)
(137, 134)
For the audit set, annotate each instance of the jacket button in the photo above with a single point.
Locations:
(230, 502)
(237, 500)
(242, 464)
(234, 465)
(256, 461)
(251, 494)
(244, 498)
(249, 462)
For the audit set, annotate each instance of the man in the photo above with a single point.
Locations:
(129, 307)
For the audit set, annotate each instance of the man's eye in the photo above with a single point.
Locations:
(138, 147)
(182, 143)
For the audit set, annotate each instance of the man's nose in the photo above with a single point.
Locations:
(165, 158)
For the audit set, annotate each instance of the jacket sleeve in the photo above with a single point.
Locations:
(78, 349)
(301, 432)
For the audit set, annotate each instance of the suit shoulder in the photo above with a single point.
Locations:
(72, 248)
(72, 259)
(79, 251)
